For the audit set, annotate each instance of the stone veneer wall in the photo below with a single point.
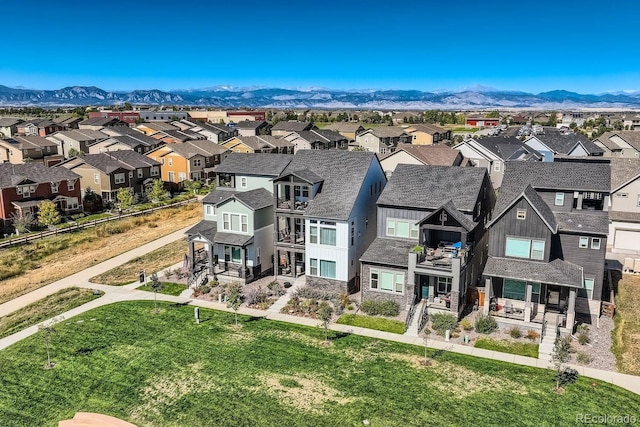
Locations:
(404, 300)
(327, 285)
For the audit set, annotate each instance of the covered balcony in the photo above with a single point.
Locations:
(294, 190)
(290, 230)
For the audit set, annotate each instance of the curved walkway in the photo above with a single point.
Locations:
(129, 293)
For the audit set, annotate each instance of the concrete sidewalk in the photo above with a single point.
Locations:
(81, 279)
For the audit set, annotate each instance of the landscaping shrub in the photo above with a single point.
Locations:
(532, 335)
(583, 358)
(276, 289)
(309, 292)
(515, 332)
(583, 338)
(256, 296)
(466, 324)
(440, 322)
(343, 300)
(485, 324)
(386, 308)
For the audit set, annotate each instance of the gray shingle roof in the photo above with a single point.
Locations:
(593, 222)
(206, 229)
(209, 147)
(624, 216)
(343, 173)
(562, 143)
(12, 174)
(102, 121)
(385, 251)
(623, 171)
(9, 121)
(218, 195)
(29, 142)
(509, 148)
(104, 162)
(255, 199)
(556, 272)
(429, 187)
(249, 124)
(232, 239)
(133, 159)
(263, 164)
(541, 206)
(292, 126)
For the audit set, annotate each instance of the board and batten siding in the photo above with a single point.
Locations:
(532, 227)
(232, 206)
(385, 212)
(591, 260)
(549, 198)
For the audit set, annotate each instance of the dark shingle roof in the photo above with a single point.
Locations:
(102, 121)
(320, 135)
(29, 142)
(556, 272)
(12, 174)
(541, 206)
(249, 124)
(509, 148)
(264, 164)
(595, 222)
(232, 239)
(9, 121)
(429, 187)
(385, 251)
(209, 147)
(436, 155)
(255, 199)
(218, 195)
(132, 158)
(105, 163)
(563, 143)
(461, 218)
(343, 174)
(292, 126)
(206, 229)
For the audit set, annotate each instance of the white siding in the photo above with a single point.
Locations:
(338, 253)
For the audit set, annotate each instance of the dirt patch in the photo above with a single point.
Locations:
(460, 382)
(302, 393)
(626, 335)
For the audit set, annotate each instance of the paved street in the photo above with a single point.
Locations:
(115, 294)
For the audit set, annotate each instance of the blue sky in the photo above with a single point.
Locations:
(587, 46)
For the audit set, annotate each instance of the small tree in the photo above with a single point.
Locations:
(157, 193)
(324, 314)
(559, 358)
(22, 223)
(47, 329)
(48, 214)
(192, 186)
(156, 286)
(125, 198)
(234, 298)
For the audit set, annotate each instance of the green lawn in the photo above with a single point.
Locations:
(372, 322)
(46, 308)
(522, 348)
(164, 370)
(169, 288)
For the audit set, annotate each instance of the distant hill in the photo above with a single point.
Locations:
(320, 98)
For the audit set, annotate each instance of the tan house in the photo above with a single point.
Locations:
(9, 126)
(426, 134)
(258, 144)
(433, 155)
(382, 139)
(25, 149)
(191, 160)
(348, 130)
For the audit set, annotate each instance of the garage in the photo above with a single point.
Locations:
(627, 240)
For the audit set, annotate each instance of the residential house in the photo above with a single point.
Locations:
(553, 143)
(9, 126)
(325, 216)
(24, 149)
(409, 154)
(431, 244)
(39, 127)
(125, 138)
(163, 116)
(624, 210)
(97, 123)
(226, 116)
(619, 144)
(177, 136)
(493, 153)
(382, 139)
(258, 144)
(285, 128)
(426, 134)
(129, 117)
(253, 128)
(192, 160)
(573, 117)
(317, 139)
(73, 142)
(482, 122)
(346, 129)
(631, 121)
(152, 128)
(107, 173)
(547, 243)
(243, 172)
(24, 186)
(69, 122)
(215, 132)
(404, 117)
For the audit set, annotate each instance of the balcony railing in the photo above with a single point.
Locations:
(287, 237)
(443, 256)
(292, 204)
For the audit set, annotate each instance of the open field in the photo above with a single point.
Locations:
(28, 267)
(626, 335)
(48, 307)
(164, 370)
(157, 260)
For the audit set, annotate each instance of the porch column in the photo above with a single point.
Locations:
(571, 309)
(192, 260)
(527, 303)
(210, 258)
(579, 205)
(488, 293)
(243, 262)
(432, 288)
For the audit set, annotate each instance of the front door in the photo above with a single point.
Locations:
(556, 298)
(424, 287)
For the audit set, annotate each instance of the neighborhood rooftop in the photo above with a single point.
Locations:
(254, 164)
(12, 174)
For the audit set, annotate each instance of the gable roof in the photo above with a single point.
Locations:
(21, 142)
(509, 148)
(388, 252)
(451, 209)
(103, 121)
(104, 162)
(564, 143)
(342, 173)
(344, 127)
(386, 132)
(210, 148)
(218, 195)
(250, 124)
(12, 174)
(630, 137)
(256, 199)
(435, 155)
(594, 222)
(9, 121)
(263, 164)
(320, 135)
(556, 272)
(133, 159)
(426, 128)
(623, 171)
(292, 126)
(430, 187)
(536, 202)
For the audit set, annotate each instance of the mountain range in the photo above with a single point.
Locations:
(321, 98)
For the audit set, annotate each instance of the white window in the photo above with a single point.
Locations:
(235, 222)
(595, 243)
(244, 224)
(243, 182)
(140, 173)
(208, 209)
(559, 199)
(313, 234)
(537, 249)
(155, 171)
(403, 229)
(386, 281)
(521, 214)
(524, 248)
(583, 242)
(197, 162)
(225, 222)
(119, 178)
(182, 176)
(72, 203)
(54, 187)
(96, 178)
(170, 161)
(623, 195)
(444, 285)
(496, 166)
(313, 267)
(71, 185)
(327, 269)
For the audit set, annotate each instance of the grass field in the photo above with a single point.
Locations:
(46, 308)
(28, 267)
(522, 348)
(157, 260)
(169, 288)
(372, 322)
(626, 335)
(164, 370)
